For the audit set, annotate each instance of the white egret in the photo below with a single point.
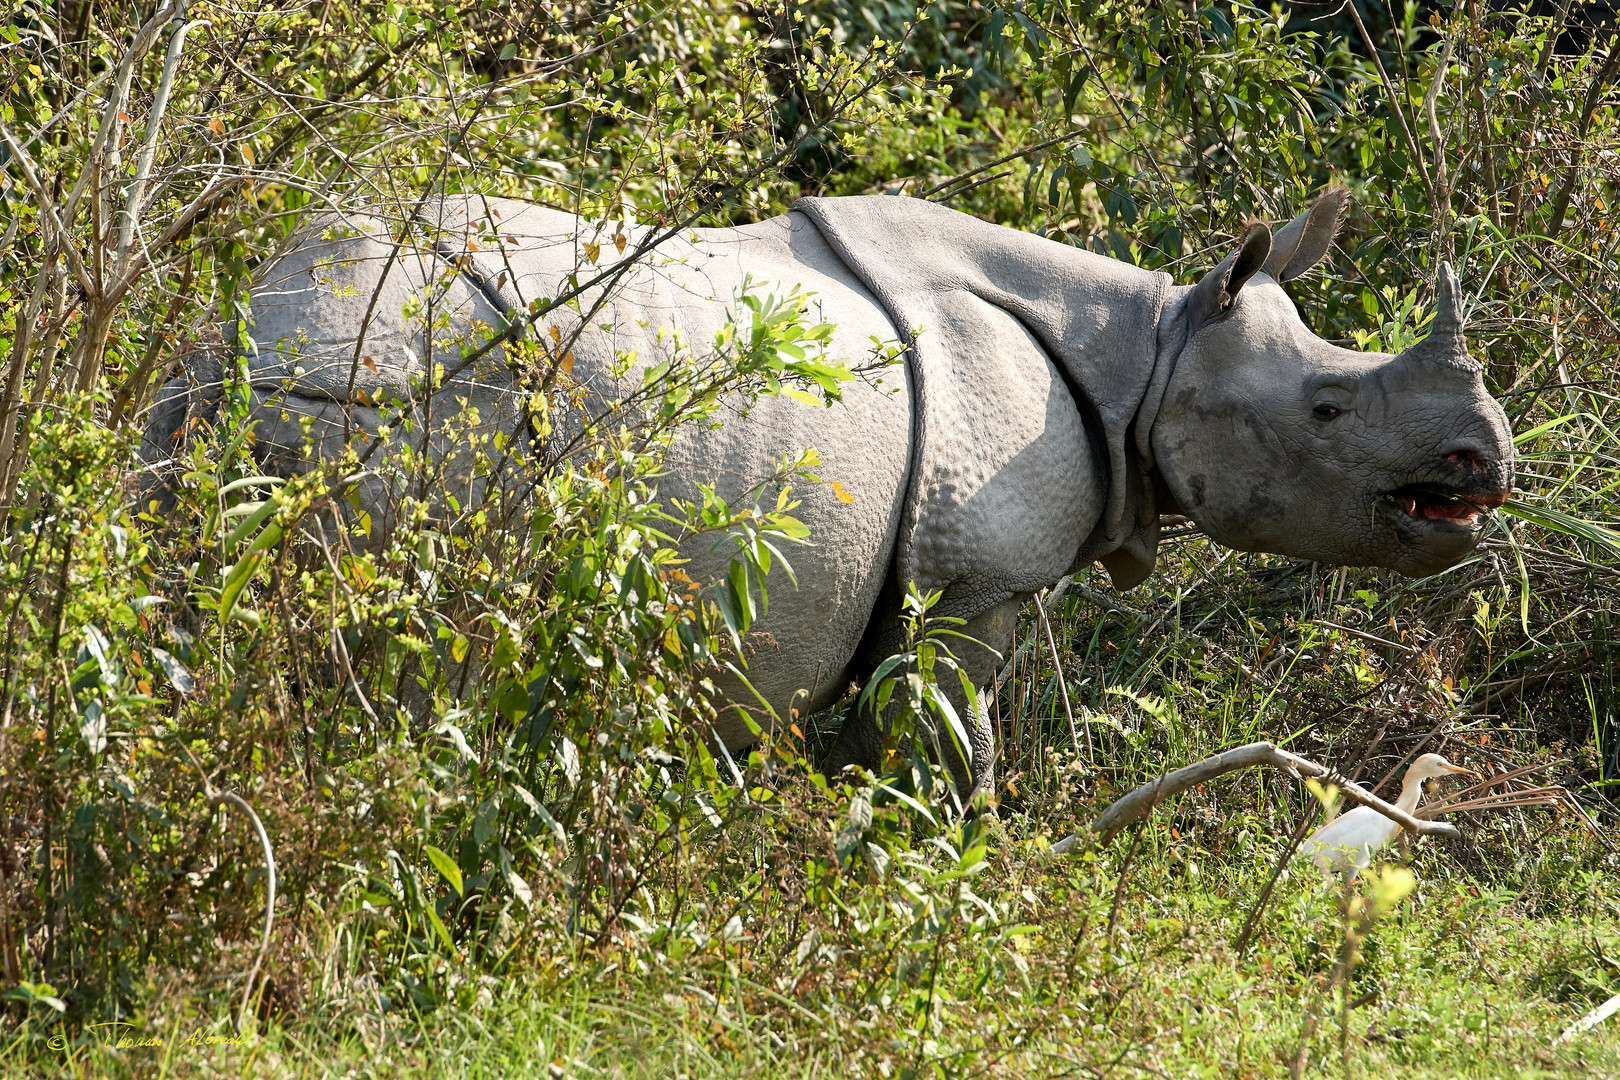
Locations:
(1346, 843)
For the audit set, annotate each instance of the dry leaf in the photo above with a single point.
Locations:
(247, 154)
(369, 362)
(619, 241)
(843, 496)
(217, 126)
(592, 250)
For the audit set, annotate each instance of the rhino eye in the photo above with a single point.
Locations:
(1324, 411)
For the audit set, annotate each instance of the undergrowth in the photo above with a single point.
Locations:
(471, 746)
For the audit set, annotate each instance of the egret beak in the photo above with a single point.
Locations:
(1462, 771)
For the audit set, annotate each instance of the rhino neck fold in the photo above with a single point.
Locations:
(1095, 320)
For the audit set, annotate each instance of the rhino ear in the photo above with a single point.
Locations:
(1220, 286)
(1301, 244)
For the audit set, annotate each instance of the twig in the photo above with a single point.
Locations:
(1053, 599)
(1394, 104)
(1439, 193)
(1502, 778)
(111, 117)
(1015, 155)
(215, 798)
(1108, 603)
(1063, 687)
(47, 214)
(1119, 888)
(1249, 923)
(1364, 636)
(1506, 800)
(269, 898)
(1572, 174)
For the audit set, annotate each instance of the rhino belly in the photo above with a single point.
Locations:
(799, 656)
(800, 653)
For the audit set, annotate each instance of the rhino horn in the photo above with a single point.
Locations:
(1445, 345)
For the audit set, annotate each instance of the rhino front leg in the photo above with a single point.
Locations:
(860, 742)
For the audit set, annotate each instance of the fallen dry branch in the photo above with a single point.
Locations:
(1140, 802)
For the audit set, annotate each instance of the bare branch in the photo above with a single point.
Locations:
(143, 165)
(1394, 104)
(145, 38)
(58, 233)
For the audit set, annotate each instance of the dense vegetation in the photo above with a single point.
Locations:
(464, 768)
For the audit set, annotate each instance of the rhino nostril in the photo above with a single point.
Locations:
(1468, 459)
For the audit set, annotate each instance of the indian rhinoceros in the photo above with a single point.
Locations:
(1053, 404)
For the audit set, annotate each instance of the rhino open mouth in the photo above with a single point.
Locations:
(1429, 502)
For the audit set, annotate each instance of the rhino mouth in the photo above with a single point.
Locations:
(1433, 502)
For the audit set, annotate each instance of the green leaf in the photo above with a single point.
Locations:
(235, 582)
(447, 868)
(1525, 436)
(1568, 524)
(174, 670)
(439, 928)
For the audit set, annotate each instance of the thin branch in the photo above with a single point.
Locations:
(1433, 93)
(154, 122)
(1053, 599)
(1370, 638)
(145, 38)
(215, 797)
(1063, 687)
(1014, 156)
(1394, 103)
(269, 894)
(47, 213)
(1440, 191)
(1572, 174)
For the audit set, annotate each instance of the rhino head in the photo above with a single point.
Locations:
(1272, 439)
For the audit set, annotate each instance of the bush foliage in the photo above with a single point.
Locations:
(277, 790)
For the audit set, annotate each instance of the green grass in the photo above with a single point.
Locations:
(1462, 981)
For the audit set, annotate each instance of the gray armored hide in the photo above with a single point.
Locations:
(1051, 405)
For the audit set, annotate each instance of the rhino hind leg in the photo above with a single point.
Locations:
(860, 741)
